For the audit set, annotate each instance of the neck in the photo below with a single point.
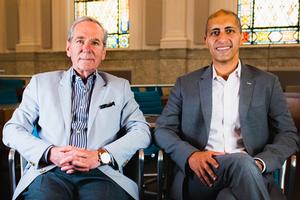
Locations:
(225, 69)
(83, 74)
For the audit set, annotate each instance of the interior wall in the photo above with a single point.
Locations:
(146, 23)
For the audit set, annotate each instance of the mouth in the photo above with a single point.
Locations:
(223, 48)
(86, 59)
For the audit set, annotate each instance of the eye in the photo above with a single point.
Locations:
(79, 41)
(96, 43)
(214, 33)
(229, 30)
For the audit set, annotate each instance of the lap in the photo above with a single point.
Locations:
(91, 185)
(231, 167)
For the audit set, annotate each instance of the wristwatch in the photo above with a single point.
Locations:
(104, 157)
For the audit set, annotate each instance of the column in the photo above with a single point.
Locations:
(62, 17)
(174, 24)
(30, 26)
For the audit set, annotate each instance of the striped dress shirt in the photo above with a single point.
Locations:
(81, 97)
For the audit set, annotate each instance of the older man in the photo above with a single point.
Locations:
(78, 153)
(226, 126)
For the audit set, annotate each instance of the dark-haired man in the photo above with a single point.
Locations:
(226, 126)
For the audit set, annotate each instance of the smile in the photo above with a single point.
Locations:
(223, 48)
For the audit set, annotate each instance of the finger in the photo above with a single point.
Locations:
(81, 154)
(216, 153)
(213, 162)
(80, 164)
(66, 161)
(81, 169)
(197, 172)
(67, 168)
(71, 171)
(204, 178)
(210, 173)
(66, 148)
(77, 153)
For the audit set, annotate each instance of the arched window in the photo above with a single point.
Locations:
(269, 21)
(113, 14)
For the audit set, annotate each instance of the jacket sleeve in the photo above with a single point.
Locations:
(168, 130)
(137, 134)
(283, 132)
(17, 132)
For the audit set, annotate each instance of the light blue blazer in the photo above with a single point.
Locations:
(47, 101)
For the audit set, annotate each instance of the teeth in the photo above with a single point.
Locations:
(222, 48)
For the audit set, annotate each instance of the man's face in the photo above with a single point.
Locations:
(223, 38)
(86, 48)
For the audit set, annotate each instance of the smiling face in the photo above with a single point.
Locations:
(223, 38)
(86, 48)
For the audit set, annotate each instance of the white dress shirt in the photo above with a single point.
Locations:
(225, 135)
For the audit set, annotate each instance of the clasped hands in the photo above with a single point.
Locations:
(202, 164)
(71, 159)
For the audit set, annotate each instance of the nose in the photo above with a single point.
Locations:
(86, 46)
(222, 36)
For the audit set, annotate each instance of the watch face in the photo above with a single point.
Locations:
(105, 158)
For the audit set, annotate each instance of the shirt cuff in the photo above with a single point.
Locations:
(45, 156)
(113, 163)
(263, 163)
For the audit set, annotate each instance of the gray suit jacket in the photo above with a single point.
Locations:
(47, 101)
(267, 128)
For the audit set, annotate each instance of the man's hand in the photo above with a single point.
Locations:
(71, 159)
(201, 162)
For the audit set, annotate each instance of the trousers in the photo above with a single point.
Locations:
(238, 177)
(58, 185)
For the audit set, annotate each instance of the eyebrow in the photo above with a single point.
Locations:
(230, 27)
(93, 39)
(214, 29)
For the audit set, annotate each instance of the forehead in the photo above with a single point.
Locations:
(87, 28)
(222, 21)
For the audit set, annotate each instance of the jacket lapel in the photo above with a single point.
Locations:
(246, 90)
(96, 99)
(65, 95)
(205, 86)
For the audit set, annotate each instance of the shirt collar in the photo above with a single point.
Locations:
(237, 71)
(75, 76)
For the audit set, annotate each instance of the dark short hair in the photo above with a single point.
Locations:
(86, 19)
(226, 12)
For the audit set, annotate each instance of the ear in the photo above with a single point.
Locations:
(103, 53)
(205, 40)
(68, 49)
(242, 38)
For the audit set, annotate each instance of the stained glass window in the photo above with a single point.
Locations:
(114, 16)
(269, 21)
